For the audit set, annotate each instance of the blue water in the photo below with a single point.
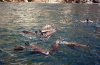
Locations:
(66, 17)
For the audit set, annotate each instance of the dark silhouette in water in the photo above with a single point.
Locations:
(27, 32)
(87, 20)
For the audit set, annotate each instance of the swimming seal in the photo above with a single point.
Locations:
(37, 49)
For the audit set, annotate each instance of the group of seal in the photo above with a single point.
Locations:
(46, 32)
(53, 48)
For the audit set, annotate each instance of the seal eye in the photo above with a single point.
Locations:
(26, 43)
(36, 31)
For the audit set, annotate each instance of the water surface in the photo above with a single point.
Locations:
(66, 17)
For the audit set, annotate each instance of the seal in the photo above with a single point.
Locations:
(46, 34)
(54, 46)
(37, 49)
(72, 44)
(87, 21)
(47, 26)
(27, 32)
(19, 48)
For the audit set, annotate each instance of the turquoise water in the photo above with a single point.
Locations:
(66, 17)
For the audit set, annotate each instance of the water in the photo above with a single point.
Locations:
(66, 17)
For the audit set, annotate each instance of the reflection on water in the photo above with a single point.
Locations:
(66, 17)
